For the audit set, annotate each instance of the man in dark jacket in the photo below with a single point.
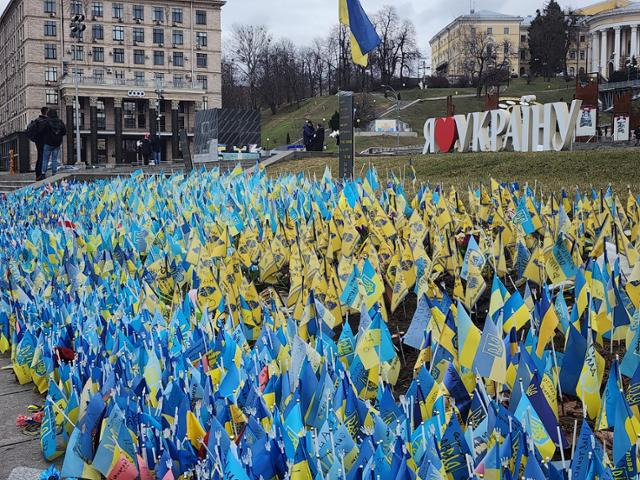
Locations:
(54, 132)
(307, 135)
(35, 133)
(146, 149)
(318, 139)
(156, 146)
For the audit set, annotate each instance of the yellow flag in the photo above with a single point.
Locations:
(590, 380)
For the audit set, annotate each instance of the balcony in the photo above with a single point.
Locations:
(186, 85)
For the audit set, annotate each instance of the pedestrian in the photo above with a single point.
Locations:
(54, 132)
(307, 135)
(35, 133)
(319, 139)
(156, 147)
(139, 151)
(146, 148)
(636, 133)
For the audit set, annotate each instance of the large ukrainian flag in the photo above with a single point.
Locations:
(364, 37)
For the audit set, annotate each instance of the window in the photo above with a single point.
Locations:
(523, 38)
(49, 28)
(582, 38)
(77, 52)
(159, 77)
(506, 49)
(201, 59)
(158, 14)
(138, 12)
(96, 9)
(158, 57)
(158, 35)
(201, 17)
(138, 57)
(119, 74)
(201, 39)
(50, 7)
(178, 81)
(489, 30)
(178, 59)
(118, 10)
(506, 30)
(202, 81)
(572, 55)
(176, 15)
(75, 8)
(50, 51)
(177, 37)
(129, 108)
(138, 34)
(101, 117)
(118, 55)
(51, 74)
(138, 78)
(98, 75)
(118, 34)
(523, 54)
(51, 96)
(97, 31)
(581, 54)
(98, 54)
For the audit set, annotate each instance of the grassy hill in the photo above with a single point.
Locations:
(585, 169)
(290, 119)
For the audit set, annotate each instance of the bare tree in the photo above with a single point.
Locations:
(483, 61)
(248, 44)
(397, 43)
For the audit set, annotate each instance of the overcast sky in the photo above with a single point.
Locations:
(304, 21)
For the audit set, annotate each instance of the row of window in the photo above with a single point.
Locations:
(117, 11)
(51, 94)
(139, 56)
(97, 33)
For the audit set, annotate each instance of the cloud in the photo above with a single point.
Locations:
(304, 21)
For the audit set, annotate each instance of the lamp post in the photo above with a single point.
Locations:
(395, 94)
(77, 27)
(159, 97)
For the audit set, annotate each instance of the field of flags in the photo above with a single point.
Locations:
(241, 326)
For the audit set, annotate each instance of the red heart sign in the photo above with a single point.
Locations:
(446, 133)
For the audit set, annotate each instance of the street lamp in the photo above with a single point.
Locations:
(159, 97)
(77, 27)
(395, 94)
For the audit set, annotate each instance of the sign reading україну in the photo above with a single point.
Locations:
(524, 128)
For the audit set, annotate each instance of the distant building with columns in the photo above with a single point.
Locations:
(141, 66)
(613, 32)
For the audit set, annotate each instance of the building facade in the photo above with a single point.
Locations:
(606, 39)
(139, 67)
(448, 46)
(613, 29)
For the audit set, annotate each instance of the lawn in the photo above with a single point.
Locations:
(553, 170)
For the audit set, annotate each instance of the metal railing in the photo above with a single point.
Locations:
(619, 85)
(186, 84)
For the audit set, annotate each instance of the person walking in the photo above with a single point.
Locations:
(146, 149)
(156, 147)
(307, 135)
(54, 132)
(139, 152)
(35, 133)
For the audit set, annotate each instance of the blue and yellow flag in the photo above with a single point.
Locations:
(364, 37)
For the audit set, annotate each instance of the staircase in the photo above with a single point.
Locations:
(11, 183)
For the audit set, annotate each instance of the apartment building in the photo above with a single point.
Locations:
(448, 52)
(139, 67)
